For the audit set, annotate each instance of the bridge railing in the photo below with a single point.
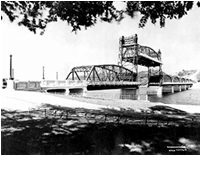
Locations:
(76, 82)
(52, 83)
(49, 83)
(114, 83)
(26, 85)
(177, 83)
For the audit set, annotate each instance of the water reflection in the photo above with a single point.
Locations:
(188, 97)
(128, 93)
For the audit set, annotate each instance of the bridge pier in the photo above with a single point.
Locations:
(85, 91)
(130, 93)
(143, 93)
(155, 90)
(183, 87)
(67, 92)
(168, 89)
(188, 86)
(177, 88)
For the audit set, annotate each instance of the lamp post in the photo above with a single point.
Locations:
(56, 75)
(11, 68)
(43, 74)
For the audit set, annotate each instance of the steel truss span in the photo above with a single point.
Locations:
(169, 79)
(102, 73)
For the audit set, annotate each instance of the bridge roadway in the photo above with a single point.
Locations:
(69, 86)
(83, 86)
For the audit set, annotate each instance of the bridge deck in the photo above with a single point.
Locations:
(171, 83)
(113, 83)
(148, 61)
(82, 84)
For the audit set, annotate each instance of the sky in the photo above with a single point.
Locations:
(59, 50)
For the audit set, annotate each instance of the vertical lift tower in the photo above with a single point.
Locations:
(131, 54)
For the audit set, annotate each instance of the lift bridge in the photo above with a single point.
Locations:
(122, 75)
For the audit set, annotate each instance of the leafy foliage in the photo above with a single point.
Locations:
(37, 14)
(159, 10)
(186, 72)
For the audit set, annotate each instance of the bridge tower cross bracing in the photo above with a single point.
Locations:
(128, 53)
(132, 54)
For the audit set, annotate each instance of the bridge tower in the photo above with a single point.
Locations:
(132, 54)
(128, 53)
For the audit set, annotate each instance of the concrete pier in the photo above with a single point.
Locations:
(168, 89)
(130, 93)
(183, 87)
(143, 93)
(177, 88)
(155, 90)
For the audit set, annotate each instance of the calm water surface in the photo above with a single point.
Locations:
(188, 97)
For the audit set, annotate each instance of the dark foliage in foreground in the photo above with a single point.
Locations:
(38, 14)
(61, 130)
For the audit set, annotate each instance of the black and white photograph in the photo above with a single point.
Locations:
(100, 78)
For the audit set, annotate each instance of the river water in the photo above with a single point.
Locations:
(188, 97)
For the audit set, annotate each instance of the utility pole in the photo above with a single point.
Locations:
(12, 74)
(11, 68)
(43, 73)
(56, 75)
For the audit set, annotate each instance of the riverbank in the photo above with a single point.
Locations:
(137, 105)
(47, 124)
(24, 100)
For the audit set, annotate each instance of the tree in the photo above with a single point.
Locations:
(37, 15)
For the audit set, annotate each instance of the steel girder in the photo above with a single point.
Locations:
(106, 72)
(131, 52)
(183, 80)
(175, 79)
(167, 78)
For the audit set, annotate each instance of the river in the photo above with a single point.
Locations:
(188, 97)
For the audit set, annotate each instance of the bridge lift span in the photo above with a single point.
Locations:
(131, 54)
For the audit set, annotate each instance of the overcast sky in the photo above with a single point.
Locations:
(59, 49)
